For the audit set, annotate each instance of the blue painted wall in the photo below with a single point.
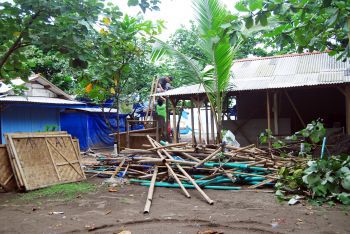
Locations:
(33, 118)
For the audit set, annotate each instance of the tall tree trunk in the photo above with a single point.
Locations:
(118, 120)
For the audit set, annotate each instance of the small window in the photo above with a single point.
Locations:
(273, 62)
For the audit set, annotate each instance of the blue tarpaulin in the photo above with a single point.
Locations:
(91, 128)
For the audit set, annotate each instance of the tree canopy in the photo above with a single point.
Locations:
(302, 24)
(49, 25)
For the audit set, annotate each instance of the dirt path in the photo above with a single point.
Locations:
(171, 212)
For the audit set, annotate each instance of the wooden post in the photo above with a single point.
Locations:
(173, 105)
(268, 110)
(192, 123)
(212, 125)
(275, 112)
(206, 121)
(127, 134)
(150, 98)
(157, 130)
(295, 109)
(347, 108)
(268, 115)
(199, 121)
(167, 118)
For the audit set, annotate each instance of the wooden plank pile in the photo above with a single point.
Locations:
(36, 160)
(202, 167)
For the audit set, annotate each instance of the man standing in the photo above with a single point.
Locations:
(164, 84)
(161, 117)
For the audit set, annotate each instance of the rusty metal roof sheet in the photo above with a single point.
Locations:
(295, 70)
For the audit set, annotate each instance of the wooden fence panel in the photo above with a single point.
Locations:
(46, 159)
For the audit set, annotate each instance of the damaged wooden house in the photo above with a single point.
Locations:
(36, 108)
(281, 93)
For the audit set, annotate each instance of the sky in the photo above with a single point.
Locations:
(175, 13)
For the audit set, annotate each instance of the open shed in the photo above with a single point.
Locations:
(36, 109)
(281, 93)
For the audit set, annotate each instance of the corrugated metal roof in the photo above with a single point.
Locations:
(97, 110)
(295, 70)
(41, 100)
(190, 89)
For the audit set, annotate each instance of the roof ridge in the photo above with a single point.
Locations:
(279, 56)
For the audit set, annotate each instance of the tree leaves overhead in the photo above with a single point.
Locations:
(152, 5)
(303, 24)
(49, 25)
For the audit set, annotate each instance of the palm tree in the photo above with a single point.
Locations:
(212, 19)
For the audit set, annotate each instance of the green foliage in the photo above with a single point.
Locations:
(152, 5)
(65, 192)
(329, 179)
(315, 131)
(53, 67)
(55, 25)
(50, 128)
(290, 181)
(302, 24)
(309, 137)
(321, 180)
(118, 57)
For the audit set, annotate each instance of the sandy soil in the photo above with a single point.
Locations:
(171, 212)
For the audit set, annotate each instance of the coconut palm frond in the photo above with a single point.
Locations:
(192, 71)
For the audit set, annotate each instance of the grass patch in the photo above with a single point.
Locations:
(65, 192)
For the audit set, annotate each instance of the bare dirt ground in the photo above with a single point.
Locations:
(171, 212)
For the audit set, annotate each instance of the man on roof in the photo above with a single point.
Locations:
(164, 84)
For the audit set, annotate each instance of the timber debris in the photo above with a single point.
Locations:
(180, 165)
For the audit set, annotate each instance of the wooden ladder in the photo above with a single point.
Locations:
(152, 98)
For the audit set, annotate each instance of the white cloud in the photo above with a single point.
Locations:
(174, 12)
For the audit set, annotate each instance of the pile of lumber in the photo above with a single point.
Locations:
(36, 160)
(221, 167)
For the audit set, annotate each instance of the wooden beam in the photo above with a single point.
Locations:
(268, 110)
(275, 112)
(212, 125)
(199, 121)
(192, 124)
(343, 91)
(207, 121)
(239, 130)
(173, 105)
(295, 108)
(150, 98)
(268, 114)
(167, 119)
(127, 134)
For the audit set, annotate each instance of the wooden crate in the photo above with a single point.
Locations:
(43, 159)
(7, 179)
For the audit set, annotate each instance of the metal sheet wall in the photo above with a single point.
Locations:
(28, 119)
